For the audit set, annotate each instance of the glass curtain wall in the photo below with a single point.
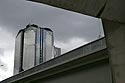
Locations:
(37, 46)
(18, 52)
(47, 44)
(34, 45)
(29, 48)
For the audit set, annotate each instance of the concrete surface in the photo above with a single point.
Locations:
(92, 73)
(115, 37)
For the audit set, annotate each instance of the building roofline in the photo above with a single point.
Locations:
(21, 30)
(32, 25)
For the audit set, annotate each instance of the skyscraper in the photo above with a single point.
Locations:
(33, 46)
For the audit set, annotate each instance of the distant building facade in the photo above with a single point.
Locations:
(33, 46)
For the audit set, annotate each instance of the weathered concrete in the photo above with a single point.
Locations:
(106, 9)
(92, 73)
(114, 11)
(115, 36)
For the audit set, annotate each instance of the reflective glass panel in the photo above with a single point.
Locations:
(48, 45)
(41, 46)
(17, 57)
(29, 49)
(37, 57)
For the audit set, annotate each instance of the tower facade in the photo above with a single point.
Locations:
(33, 46)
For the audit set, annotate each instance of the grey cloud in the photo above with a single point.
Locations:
(17, 14)
(1, 51)
(3, 66)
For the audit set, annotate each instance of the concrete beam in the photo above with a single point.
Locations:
(114, 11)
(106, 9)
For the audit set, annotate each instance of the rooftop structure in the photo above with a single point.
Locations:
(34, 46)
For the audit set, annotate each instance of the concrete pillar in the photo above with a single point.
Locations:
(115, 37)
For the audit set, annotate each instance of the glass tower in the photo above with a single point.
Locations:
(33, 46)
(18, 52)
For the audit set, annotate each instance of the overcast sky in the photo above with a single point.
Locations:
(71, 29)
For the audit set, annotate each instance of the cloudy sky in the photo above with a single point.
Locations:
(71, 29)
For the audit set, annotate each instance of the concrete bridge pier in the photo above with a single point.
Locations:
(115, 38)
